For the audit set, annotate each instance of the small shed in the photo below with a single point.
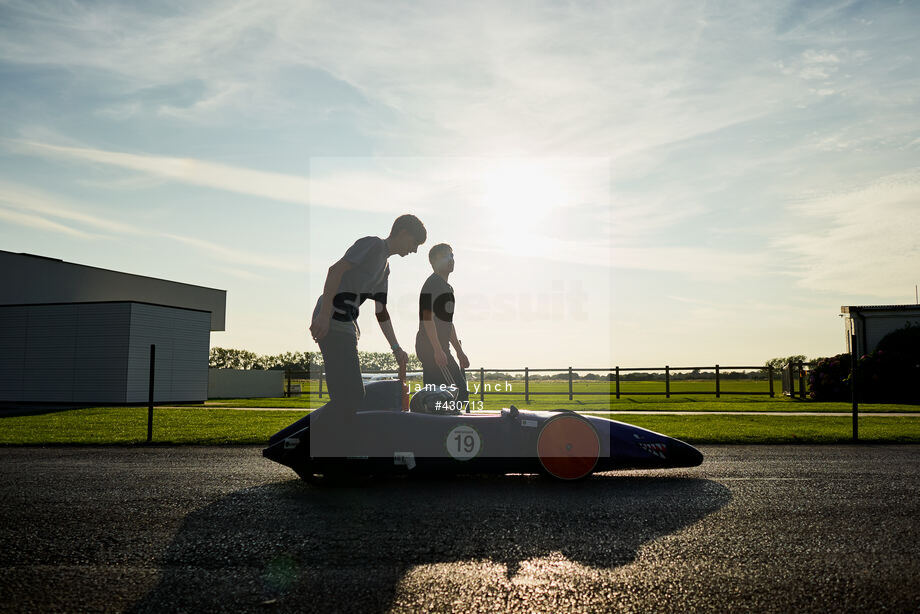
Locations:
(870, 323)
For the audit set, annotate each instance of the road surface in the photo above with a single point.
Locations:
(755, 528)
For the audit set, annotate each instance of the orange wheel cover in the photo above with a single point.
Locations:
(568, 448)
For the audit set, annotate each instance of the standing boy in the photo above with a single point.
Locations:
(360, 274)
(436, 326)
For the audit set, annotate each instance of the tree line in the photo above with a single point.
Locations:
(230, 358)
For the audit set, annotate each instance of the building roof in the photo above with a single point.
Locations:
(28, 279)
(893, 308)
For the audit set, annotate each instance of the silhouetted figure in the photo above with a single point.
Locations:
(436, 330)
(360, 274)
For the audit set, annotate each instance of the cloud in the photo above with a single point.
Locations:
(342, 188)
(466, 78)
(37, 201)
(40, 223)
(223, 254)
(639, 84)
(863, 240)
(239, 273)
(35, 207)
(264, 184)
(701, 263)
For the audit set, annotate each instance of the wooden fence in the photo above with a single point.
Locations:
(616, 380)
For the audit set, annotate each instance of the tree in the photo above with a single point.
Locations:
(230, 358)
(779, 363)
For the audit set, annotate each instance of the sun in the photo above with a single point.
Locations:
(519, 197)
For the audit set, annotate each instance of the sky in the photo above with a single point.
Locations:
(634, 184)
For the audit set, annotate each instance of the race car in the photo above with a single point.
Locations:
(381, 437)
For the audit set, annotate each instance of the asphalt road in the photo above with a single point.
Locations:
(755, 528)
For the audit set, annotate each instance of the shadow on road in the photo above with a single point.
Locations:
(290, 546)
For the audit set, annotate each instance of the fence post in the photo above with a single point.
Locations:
(618, 381)
(482, 384)
(153, 360)
(770, 375)
(526, 385)
(570, 383)
(853, 388)
(667, 381)
(320, 383)
(802, 380)
(287, 376)
(718, 388)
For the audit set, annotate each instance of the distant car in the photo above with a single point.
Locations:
(381, 439)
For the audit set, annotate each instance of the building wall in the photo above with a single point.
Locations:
(244, 384)
(877, 325)
(99, 353)
(182, 340)
(64, 353)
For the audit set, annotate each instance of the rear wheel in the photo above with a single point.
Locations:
(568, 448)
(331, 474)
(306, 473)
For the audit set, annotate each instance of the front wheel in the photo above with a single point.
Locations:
(568, 448)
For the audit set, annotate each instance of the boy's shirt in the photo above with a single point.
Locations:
(437, 296)
(368, 278)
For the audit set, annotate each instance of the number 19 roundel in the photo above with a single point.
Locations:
(463, 442)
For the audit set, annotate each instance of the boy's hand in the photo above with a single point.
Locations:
(401, 357)
(464, 361)
(319, 327)
(440, 358)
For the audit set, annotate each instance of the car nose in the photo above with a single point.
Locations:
(685, 455)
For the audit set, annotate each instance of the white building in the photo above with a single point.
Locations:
(870, 323)
(71, 333)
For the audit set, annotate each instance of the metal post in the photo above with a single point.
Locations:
(482, 384)
(853, 388)
(153, 361)
(802, 381)
(526, 385)
(287, 375)
(618, 381)
(570, 383)
(321, 383)
(718, 388)
(667, 381)
(770, 375)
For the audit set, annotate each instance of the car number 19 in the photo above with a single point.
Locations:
(463, 442)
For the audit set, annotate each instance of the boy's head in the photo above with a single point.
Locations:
(441, 257)
(407, 234)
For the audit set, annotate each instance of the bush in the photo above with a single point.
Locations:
(892, 371)
(829, 379)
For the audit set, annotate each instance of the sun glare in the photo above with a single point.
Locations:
(519, 196)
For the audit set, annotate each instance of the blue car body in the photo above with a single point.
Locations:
(379, 439)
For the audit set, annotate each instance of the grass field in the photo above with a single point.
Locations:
(751, 388)
(599, 398)
(202, 425)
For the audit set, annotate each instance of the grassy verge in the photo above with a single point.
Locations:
(769, 429)
(687, 395)
(128, 425)
(601, 403)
